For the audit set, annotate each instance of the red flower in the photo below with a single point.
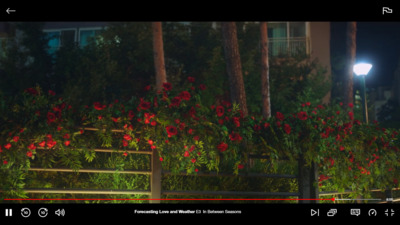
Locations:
(32, 146)
(240, 166)
(131, 114)
(144, 105)
(235, 137)
(186, 154)
(147, 88)
(125, 154)
(351, 115)
(280, 116)
(29, 154)
(52, 93)
(51, 143)
(236, 121)
(308, 103)
(127, 137)
(191, 79)
(171, 130)
(124, 143)
(192, 148)
(66, 143)
(185, 95)
(32, 91)
(150, 142)
(302, 115)
(196, 138)
(161, 159)
(222, 146)
(66, 136)
(192, 112)
(51, 117)
(341, 148)
(5, 162)
(220, 111)
(42, 144)
(153, 123)
(176, 101)
(266, 125)
(16, 139)
(193, 160)
(167, 86)
(351, 105)
(202, 87)
(116, 120)
(287, 128)
(182, 126)
(7, 146)
(99, 106)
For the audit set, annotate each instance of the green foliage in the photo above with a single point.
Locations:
(113, 70)
(27, 59)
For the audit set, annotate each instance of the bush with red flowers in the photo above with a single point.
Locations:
(39, 128)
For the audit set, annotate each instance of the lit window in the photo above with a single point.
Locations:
(86, 35)
(58, 38)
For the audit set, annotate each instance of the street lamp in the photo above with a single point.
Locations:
(362, 69)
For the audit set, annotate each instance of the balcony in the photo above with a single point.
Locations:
(288, 47)
(4, 43)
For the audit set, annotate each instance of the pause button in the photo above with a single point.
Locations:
(8, 212)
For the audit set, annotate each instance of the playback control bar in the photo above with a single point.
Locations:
(70, 213)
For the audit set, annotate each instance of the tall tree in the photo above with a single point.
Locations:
(161, 77)
(266, 103)
(350, 60)
(158, 51)
(233, 65)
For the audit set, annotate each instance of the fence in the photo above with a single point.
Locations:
(307, 178)
(288, 46)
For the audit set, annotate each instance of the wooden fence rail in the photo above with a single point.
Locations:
(307, 178)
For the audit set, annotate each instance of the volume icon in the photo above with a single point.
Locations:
(60, 212)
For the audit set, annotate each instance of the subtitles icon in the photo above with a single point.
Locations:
(386, 10)
(332, 212)
(355, 212)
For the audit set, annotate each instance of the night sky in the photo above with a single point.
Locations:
(378, 43)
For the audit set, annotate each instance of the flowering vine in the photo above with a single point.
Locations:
(193, 137)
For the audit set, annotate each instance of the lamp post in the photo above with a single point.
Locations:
(362, 69)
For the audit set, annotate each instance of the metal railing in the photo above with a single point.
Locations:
(155, 174)
(283, 47)
(307, 176)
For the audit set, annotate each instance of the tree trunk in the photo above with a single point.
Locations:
(161, 77)
(233, 65)
(158, 51)
(266, 104)
(350, 60)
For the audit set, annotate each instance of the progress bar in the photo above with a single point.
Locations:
(358, 199)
